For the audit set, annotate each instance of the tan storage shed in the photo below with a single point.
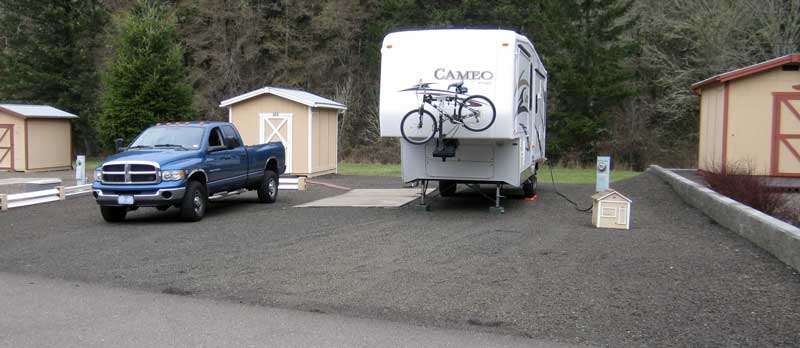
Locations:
(35, 138)
(306, 123)
(750, 116)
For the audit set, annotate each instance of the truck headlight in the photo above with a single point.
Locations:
(172, 175)
(98, 175)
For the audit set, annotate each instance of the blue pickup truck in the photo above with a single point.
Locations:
(182, 165)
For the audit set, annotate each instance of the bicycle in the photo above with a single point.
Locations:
(476, 113)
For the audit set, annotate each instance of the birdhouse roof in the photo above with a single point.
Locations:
(607, 193)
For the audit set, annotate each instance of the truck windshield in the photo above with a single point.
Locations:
(177, 137)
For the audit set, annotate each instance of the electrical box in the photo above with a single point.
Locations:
(80, 170)
(603, 173)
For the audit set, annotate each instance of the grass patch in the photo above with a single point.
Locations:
(580, 175)
(562, 175)
(369, 169)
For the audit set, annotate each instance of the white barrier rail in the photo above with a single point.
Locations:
(60, 193)
(70, 191)
(292, 183)
(30, 198)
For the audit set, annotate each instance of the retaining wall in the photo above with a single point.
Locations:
(777, 237)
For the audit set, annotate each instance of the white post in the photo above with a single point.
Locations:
(80, 170)
(603, 173)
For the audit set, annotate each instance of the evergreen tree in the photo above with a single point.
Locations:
(145, 81)
(587, 58)
(48, 53)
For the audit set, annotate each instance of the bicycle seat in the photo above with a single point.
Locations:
(457, 85)
(460, 89)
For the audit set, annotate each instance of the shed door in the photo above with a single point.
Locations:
(786, 135)
(277, 127)
(6, 146)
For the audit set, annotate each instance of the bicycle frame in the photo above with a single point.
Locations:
(428, 98)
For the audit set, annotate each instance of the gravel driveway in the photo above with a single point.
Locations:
(676, 279)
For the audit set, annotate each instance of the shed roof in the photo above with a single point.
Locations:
(35, 111)
(793, 58)
(301, 97)
(603, 194)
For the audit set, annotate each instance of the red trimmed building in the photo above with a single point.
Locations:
(751, 116)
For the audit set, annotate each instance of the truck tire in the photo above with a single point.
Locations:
(113, 214)
(195, 202)
(529, 187)
(447, 188)
(268, 188)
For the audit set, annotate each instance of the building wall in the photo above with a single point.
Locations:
(245, 116)
(19, 138)
(49, 144)
(711, 110)
(750, 116)
(324, 143)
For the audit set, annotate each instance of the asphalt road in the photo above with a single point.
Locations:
(55, 313)
(676, 279)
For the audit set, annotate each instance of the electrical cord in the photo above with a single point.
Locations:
(555, 188)
(552, 177)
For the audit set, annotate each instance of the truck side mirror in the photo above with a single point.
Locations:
(119, 144)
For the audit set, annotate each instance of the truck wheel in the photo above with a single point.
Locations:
(447, 188)
(529, 187)
(268, 188)
(195, 201)
(113, 214)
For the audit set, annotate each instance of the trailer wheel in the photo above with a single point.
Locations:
(529, 187)
(447, 188)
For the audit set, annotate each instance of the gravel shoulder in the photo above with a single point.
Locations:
(541, 270)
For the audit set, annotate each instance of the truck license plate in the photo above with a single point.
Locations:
(125, 200)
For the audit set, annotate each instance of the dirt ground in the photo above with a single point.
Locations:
(676, 279)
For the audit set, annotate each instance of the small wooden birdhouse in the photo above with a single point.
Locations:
(611, 210)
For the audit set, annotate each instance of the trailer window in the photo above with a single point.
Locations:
(534, 93)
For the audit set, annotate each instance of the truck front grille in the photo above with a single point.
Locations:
(130, 173)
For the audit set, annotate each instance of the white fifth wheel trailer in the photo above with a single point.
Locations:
(500, 65)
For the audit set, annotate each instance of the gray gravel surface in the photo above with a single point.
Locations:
(541, 270)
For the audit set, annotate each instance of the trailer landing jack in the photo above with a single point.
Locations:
(423, 206)
(497, 208)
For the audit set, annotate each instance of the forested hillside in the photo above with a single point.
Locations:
(619, 70)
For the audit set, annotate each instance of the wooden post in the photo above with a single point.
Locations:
(301, 183)
(61, 195)
(3, 201)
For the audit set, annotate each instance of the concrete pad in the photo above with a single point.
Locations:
(370, 198)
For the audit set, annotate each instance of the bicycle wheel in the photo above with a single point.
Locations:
(477, 113)
(418, 127)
